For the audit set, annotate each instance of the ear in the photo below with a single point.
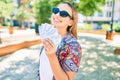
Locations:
(70, 23)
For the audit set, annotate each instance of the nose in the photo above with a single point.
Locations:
(57, 15)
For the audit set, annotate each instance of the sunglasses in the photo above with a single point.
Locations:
(62, 13)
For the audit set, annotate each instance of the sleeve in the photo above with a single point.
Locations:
(71, 57)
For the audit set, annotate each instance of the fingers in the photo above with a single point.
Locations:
(46, 45)
(51, 43)
(48, 42)
(49, 46)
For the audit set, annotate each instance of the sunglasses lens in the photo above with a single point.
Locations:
(55, 10)
(64, 14)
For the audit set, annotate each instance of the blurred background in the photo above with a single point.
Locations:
(98, 33)
(93, 15)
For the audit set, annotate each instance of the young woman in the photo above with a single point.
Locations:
(62, 62)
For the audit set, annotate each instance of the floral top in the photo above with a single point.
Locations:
(69, 53)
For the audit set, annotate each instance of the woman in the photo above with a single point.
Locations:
(63, 61)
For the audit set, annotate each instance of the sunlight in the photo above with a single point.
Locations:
(112, 64)
(116, 74)
(92, 45)
(109, 54)
(94, 66)
(18, 56)
(88, 43)
(102, 45)
(104, 52)
(90, 62)
(4, 65)
(100, 48)
(8, 79)
(118, 57)
(20, 70)
(93, 55)
(89, 69)
(104, 67)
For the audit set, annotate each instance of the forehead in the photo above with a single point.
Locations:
(65, 7)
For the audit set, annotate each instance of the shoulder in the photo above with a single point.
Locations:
(72, 42)
(71, 45)
(70, 54)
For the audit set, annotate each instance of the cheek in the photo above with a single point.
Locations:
(51, 19)
(66, 22)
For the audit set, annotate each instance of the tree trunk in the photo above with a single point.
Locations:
(86, 21)
(11, 30)
(0, 40)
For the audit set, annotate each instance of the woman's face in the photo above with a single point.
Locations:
(59, 21)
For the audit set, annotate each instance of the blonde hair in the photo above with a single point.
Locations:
(73, 28)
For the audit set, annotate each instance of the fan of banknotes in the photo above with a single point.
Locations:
(48, 31)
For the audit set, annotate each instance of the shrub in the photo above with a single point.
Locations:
(117, 29)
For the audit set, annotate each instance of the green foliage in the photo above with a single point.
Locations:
(6, 7)
(6, 1)
(85, 26)
(106, 27)
(88, 7)
(117, 29)
(56, 2)
(42, 11)
(22, 15)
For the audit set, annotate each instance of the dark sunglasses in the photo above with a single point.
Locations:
(62, 13)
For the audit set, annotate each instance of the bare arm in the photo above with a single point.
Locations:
(58, 72)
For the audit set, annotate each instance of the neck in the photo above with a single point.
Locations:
(62, 32)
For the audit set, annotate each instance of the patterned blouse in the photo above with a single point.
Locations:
(69, 53)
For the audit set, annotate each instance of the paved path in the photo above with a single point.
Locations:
(98, 62)
(21, 65)
(18, 36)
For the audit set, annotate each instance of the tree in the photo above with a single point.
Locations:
(56, 2)
(85, 7)
(42, 11)
(6, 8)
(22, 15)
(24, 11)
(88, 7)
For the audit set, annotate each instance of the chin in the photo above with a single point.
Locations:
(55, 24)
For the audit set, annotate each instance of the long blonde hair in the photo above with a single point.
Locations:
(73, 28)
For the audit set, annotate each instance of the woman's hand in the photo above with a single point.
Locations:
(49, 46)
